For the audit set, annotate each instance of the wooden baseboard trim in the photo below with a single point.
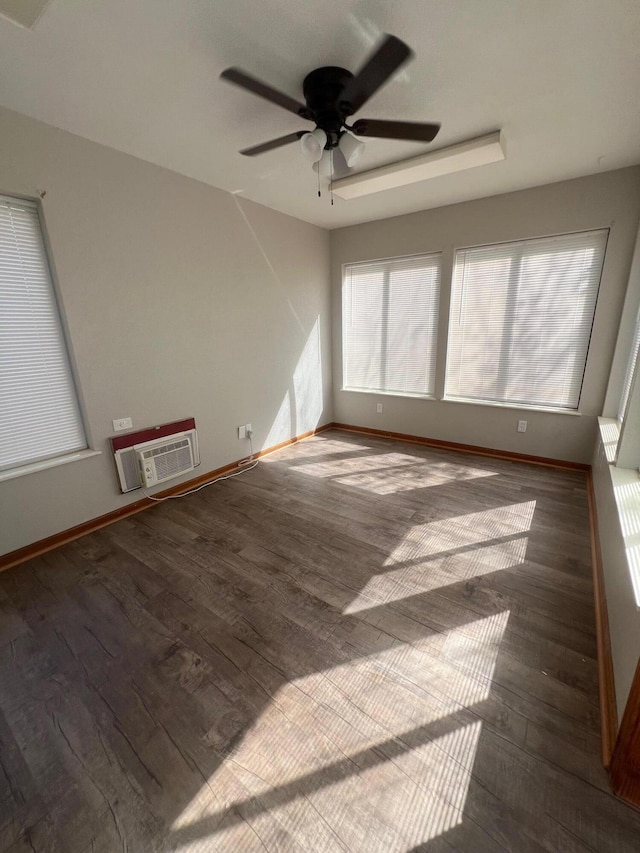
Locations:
(21, 555)
(466, 448)
(291, 441)
(606, 683)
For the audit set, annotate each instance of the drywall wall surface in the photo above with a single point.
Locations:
(625, 338)
(180, 300)
(607, 200)
(624, 614)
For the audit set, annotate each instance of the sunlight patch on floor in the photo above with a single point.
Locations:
(414, 790)
(442, 770)
(373, 462)
(409, 472)
(458, 533)
(473, 652)
(408, 800)
(448, 551)
(433, 573)
(323, 446)
(370, 746)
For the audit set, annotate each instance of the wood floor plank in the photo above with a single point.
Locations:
(360, 645)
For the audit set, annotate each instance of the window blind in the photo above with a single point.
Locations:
(39, 413)
(521, 317)
(390, 324)
(630, 371)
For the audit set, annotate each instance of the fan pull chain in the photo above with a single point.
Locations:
(331, 178)
(318, 173)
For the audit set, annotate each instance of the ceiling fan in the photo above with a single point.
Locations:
(333, 94)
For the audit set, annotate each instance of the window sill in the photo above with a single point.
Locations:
(389, 393)
(518, 407)
(33, 467)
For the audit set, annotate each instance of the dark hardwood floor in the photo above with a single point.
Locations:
(360, 645)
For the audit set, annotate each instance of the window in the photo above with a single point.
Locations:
(390, 324)
(39, 413)
(521, 317)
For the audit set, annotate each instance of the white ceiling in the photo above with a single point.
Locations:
(559, 77)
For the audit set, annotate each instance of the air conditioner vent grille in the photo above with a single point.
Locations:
(165, 460)
(171, 464)
(165, 448)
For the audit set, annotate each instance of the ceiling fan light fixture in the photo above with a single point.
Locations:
(312, 145)
(351, 147)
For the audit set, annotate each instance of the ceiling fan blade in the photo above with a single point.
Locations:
(387, 58)
(411, 130)
(273, 143)
(257, 87)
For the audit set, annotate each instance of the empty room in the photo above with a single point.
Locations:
(319, 426)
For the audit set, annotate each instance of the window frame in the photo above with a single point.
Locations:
(513, 404)
(56, 458)
(438, 254)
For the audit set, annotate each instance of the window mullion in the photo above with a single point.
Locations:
(442, 353)
(384, 330)
(506, 338)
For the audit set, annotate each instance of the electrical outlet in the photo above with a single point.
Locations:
(522, 426)
(122, 423)
(379, 408)
(248, 430)
(242, 431)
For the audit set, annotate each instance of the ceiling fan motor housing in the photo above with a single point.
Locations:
(322, 89)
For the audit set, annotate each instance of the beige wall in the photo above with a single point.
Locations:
(606, 200)
(625, 337)
(181, 300)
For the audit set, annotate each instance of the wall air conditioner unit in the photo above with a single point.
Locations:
(167, 450)
(164, 460)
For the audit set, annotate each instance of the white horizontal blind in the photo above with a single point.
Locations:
(39, 414)
(390, 324)
(521, 317)
(630, 372)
